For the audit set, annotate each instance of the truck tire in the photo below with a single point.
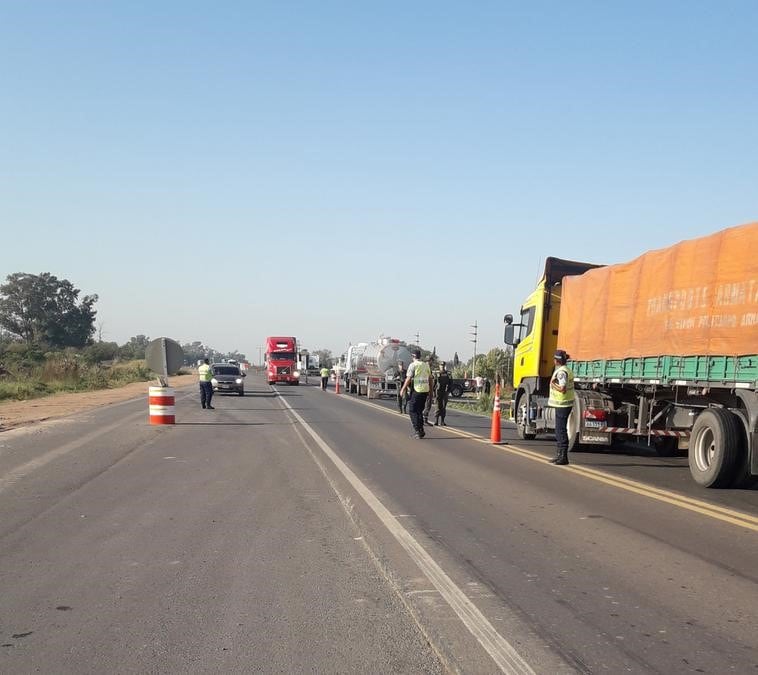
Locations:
(715, 447)
(743, 478)
(522, 406)
(456, 391)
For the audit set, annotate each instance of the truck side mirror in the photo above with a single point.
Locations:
(508, 334)
(508, 319)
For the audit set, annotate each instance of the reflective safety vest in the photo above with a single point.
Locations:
(324, 372)
(421, 375)
(562, 399)
(205, 373)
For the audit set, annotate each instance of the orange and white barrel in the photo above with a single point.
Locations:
(161, 401)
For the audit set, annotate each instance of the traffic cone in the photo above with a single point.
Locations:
(495, 431)
(337, 384)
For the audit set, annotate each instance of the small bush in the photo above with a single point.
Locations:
(67, 371)
(23, 390)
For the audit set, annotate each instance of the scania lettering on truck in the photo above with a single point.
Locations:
(281, 360)
(664, 350)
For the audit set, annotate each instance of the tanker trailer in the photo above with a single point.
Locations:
(372, 368)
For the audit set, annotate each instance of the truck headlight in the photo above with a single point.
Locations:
(238, 380)
(296, 373)
(214, 382)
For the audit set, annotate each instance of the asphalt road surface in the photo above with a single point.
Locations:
(295, 530)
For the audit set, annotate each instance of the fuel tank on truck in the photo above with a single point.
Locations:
(381, 357)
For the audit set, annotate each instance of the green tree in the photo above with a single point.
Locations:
(325, 358)
(44, 309)
(135, 348)
(496, 364)
(101, 351)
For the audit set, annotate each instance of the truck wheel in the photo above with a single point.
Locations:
(715, 447)
(521, 418)
(743, 478)
(456, 391)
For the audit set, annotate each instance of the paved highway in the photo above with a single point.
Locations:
(295, 530)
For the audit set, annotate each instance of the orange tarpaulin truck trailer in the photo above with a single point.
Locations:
(663, 348)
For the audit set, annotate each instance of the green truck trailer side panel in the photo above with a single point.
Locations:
(714, 370)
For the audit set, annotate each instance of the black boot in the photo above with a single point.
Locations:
(561, 459)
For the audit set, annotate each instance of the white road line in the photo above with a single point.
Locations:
(501, 651)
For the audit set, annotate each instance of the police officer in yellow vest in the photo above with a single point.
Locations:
(205, 375)
(562, 400)
(324, 372)
(420, 378)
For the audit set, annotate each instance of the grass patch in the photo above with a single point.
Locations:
(483, 405)
(66, 374)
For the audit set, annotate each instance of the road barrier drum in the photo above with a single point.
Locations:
(161, 400)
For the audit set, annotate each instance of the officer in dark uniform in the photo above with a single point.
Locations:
(443, 382)
(428, 404)
(402, 399)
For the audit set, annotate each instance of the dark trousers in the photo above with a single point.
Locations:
(416, 410)
(402, 401)
(206, 394)
(324, 381)
(428, 407)
(441, 407)
(561, 431)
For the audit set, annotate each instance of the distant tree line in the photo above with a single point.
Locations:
(40, 314)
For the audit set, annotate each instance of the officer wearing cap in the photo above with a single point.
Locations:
(205, 376)
(442, 384)
(562, 400)
(420, 376)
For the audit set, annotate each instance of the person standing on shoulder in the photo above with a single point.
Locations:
(443, 382)
(402, 399)
(562, 400)
(205, 375)
(324, 372)
(420, 376)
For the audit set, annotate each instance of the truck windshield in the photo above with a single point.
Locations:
(281, 356)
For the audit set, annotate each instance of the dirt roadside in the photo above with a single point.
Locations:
(14, 414)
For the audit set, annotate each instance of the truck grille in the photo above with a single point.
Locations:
(283, 370)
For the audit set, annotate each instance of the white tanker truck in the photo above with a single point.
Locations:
(371, 368)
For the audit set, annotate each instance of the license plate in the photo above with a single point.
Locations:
(225, 386)
(598, 439)
(594, 424)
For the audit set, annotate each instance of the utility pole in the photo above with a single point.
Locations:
(418, 339)
(475, 335)
(260, 362)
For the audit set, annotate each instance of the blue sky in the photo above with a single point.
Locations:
(335, 170)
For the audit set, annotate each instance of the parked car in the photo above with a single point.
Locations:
(229, 378)
(459, 386)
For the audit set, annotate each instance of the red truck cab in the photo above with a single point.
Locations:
(281, 360)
